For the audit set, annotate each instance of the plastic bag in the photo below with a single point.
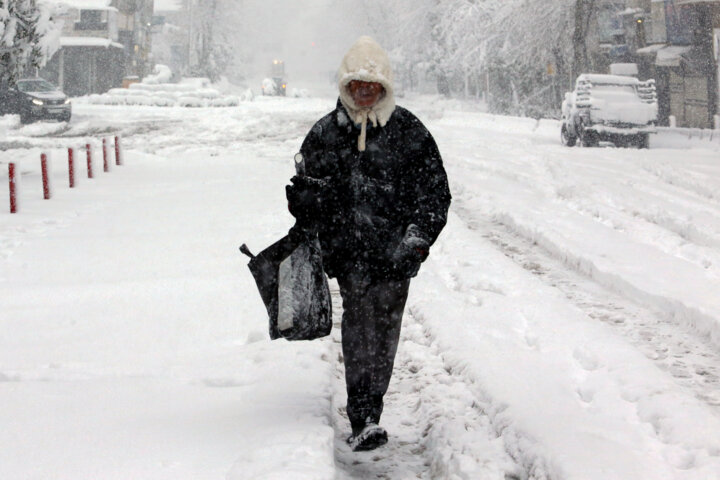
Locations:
(290, 277)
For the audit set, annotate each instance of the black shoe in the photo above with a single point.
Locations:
(371, 437)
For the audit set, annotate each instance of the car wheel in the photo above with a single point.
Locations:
(589, 139)
(25, 117)
(565, 137)
(620, 141)
(643, 140)
(66, 118)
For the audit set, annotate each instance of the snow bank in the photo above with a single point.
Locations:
(8, 122)
(671, 138)
(685, 138)
(299, 93)
(191, 94)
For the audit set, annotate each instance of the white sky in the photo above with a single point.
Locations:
(310, 36)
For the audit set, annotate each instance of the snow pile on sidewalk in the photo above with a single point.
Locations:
(161, 74)
(8, 122)
(184, 94)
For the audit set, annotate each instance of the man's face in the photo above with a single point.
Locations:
(365, 94)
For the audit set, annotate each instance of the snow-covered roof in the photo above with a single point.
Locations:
(85, 4)
(650, 49)
(608, 79)
(88, 42)
(631, 11)
(167, 5)
(670, 56)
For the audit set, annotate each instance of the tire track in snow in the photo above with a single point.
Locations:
(692, 360)
(437, 428)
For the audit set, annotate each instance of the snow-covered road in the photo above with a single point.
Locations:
(566, 326)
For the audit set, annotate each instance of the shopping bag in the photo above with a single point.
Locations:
(293, 286)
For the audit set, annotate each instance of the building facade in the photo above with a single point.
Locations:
(102, 43)
(676, 42)
(170, 43)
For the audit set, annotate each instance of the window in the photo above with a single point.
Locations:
(610, 27)
(658, 27)
(91, 20)
(90, 16)
(685, 23)
(35, 86)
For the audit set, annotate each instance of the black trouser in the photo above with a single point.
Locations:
(372, 315)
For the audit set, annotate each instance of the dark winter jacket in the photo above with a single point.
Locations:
(372, 196)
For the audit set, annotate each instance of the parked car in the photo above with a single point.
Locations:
(35, 99)
(619, 109)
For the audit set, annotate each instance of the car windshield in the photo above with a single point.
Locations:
(609, 91)
(35, 86)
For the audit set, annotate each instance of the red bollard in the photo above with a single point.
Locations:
(106, 165)
(71, 168)
(45, 178)
(118, 160)
(13, 188)
(88, 149)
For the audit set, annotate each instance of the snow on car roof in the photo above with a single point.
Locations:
(608, 79)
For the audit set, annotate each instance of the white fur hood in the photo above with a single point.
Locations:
(368, 62)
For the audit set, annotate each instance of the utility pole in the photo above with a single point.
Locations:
(584, 12)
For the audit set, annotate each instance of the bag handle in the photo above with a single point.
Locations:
(244, 249)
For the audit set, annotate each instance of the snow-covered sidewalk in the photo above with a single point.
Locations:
(133, 342)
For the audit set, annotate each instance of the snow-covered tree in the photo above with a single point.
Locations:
(519, 54)
(210, 23)
(28, 37)
(407, 28)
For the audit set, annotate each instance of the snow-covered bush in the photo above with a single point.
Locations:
(161, 74)
(145, 100)
(268, 86)
(299, 93)
(196, 82)
(190, 101)
(247, 96)
(209, 93)
(229, 101)
(196, 92)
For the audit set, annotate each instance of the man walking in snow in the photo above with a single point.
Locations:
(376, 192)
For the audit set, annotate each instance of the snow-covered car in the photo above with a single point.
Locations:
(35, 99)
(618, 109)
(274, 86)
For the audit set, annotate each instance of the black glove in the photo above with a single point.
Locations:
(306, 197)
(411, 252)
